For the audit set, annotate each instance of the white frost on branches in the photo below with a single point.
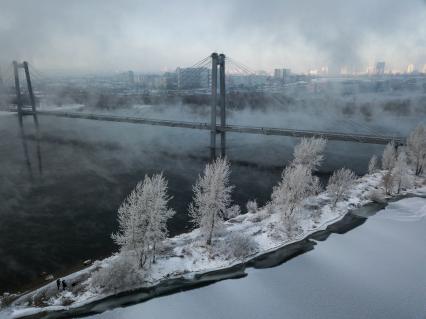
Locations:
(372, 165)
(309, 152)
(252, 206)
(237, 246)
(389, 156)
(401, 173)
(212, 198)
(121, 273)
(296, 185)
(142, 219)
(297, 182)
(388, 182)
(416, 143)
(340, 183)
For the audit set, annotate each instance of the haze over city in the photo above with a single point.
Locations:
(152, 36)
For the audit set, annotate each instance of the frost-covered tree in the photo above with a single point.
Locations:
(376, 195)
(309, 152)
(297, 183)
(416, 144)
(237, 245)
(212, 198)
(389, 156)
(142, 219)
(372, 165)
(401, 172)
(340, 183)
(251, 206)
(388, 182)
(118, 274)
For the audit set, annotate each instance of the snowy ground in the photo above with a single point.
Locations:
(65, 107)
(405, 210)
(185, 256)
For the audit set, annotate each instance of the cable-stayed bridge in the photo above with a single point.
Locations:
(211, 71)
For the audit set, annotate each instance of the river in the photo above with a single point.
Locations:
(375, 270)
(61, 185)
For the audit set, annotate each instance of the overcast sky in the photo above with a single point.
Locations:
(151, 36)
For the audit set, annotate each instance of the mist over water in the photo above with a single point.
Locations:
(60, 203)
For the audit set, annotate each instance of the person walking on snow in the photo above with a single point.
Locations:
(58, 283)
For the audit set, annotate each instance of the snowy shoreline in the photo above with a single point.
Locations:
(191, 263)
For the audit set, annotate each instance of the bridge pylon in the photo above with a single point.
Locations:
(218, 61)
(19, 101)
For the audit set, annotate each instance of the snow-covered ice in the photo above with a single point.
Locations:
(186, 255)
(407, 209)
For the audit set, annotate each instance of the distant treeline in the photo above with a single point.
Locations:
(355, 105)
(111, 100)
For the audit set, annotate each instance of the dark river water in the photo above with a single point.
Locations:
(60, 187)
(376, 270)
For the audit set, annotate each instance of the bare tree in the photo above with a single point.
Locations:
(372, 165)
(212, 198)
(309, 152)
(297, 184)
(416, 143)
(340, 183)
(389, 156)
(142, 219)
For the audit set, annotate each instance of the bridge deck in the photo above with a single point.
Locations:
(359, 138)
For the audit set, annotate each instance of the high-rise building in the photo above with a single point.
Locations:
(380, 68)
(170, 79)
(410, 68)
(125, 77)
(281, 74)
(131, 77)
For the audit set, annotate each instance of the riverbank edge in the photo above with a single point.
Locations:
(233, 269)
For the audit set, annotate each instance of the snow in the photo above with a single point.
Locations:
(405, 210)
(186, 255)
(65, 107)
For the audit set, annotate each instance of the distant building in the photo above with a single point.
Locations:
(126, 77)
(344, 70)
(424, 69)
(170, 80)
(410, 68)
(152, 81)
(323, 70)
(282, 74)
(131, 77)
(193, 78)
(380, 68)
(247, 81)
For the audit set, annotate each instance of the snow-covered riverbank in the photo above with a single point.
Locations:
(186, 257)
